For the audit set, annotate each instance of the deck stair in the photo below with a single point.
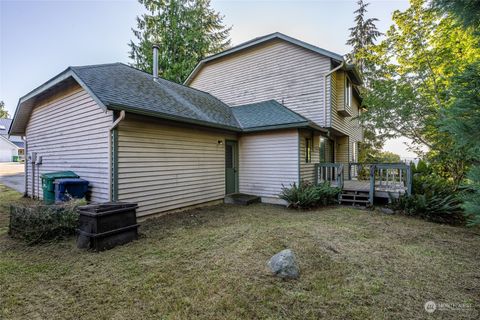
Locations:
(354, 197)
(241, 199)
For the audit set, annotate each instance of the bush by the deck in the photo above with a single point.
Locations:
(307, 195)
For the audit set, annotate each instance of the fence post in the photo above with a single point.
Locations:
(372, 184)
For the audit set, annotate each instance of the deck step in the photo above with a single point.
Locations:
(241, 199)
(354, 197)
(355, 201)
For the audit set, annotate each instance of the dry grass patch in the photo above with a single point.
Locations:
(210, 264)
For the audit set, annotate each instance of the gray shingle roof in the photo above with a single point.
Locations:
(261, 115)
(119, 86)
(4, 126)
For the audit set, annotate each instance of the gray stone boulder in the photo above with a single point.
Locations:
(387, 211)
(284, 265)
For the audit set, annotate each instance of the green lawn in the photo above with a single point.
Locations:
(210, 264)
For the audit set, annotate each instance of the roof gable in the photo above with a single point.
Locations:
(260, 40)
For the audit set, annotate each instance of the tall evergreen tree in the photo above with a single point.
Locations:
(185, 30)
(362, 37)
(467, 12)
(462, 117)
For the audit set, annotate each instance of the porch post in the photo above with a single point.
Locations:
(372, 184)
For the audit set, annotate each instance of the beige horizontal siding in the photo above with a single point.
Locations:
(268, 160)
(274, 70)
(307, 170)
(70, 133)
(165, 167)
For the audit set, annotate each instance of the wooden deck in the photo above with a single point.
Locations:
(381, 191)
(356, 185)
(384, 180)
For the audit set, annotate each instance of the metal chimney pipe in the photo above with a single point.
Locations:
(155, 62)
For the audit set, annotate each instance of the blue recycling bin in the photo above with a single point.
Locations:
(68, 188)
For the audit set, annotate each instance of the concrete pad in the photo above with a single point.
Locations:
(12, 175)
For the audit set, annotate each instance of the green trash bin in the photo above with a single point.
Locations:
(14, 158)
(49, 188)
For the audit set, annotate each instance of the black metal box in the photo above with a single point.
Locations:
(104, 226)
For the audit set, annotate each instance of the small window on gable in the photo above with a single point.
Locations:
(348, 92)
(308, 150)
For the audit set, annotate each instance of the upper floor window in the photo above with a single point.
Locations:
(308, 150)
(348, 92)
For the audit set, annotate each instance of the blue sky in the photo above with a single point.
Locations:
(39, 39)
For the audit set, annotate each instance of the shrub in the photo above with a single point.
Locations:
(327, 194)
(307, 195)
(434, 199)
(431, 207)
(36, 222)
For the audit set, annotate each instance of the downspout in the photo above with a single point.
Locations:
(25, 157)
(110, 152)
(325, 92)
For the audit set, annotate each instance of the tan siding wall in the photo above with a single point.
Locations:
(165, 167)
(274, 70)
(268, 160)
(342, 153)
(346, 125)
(307, 170)
(71, 133)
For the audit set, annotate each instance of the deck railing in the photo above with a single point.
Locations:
(359, 171)
(390, 177)
(329, 172)
(383, 177)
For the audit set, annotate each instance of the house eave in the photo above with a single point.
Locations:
(295, 125)
(161, 115)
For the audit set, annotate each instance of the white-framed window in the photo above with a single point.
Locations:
(348, 92)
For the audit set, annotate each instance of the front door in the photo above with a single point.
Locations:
(231, 164)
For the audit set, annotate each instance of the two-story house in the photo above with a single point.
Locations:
(248, 120)
(315, 83)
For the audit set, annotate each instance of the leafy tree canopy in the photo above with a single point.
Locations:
(3, 112)
(413, 70)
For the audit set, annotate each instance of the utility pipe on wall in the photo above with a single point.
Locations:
(110, 151)
(155, 62)
(325, 92)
